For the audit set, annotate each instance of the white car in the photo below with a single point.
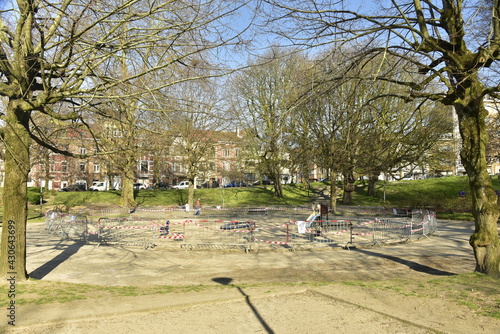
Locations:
(181, 185)
(99, 186)
(139, 186)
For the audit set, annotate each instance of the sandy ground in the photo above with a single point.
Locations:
(252, 303)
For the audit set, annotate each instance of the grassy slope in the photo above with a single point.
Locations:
(439, 194)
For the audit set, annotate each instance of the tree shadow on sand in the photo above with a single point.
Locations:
(47, 267)
(410, 264)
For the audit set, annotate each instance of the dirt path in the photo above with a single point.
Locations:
(251, 302)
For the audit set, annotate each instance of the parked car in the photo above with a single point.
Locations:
(181, 185)
(139, 186)
(207, 184)
(235, 184)
(160, 186)
(74, 187)
(100, 186)
(264, 182)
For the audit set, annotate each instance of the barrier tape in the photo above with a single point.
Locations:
(126, 227)
(174, 236)
(272, 242)
(268, 228)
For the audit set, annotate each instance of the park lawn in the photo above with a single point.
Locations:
(224, 197)
(437, 194)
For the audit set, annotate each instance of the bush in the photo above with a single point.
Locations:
(34, 197)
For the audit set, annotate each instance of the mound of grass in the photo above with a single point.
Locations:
(438, 194)
(226, 197)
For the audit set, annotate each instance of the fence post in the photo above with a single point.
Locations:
(287, 232)
(350, 228)
(373, 231)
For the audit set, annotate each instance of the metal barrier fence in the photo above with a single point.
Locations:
(421, 223)
(67, 226)
(242, 230)
(125, 231)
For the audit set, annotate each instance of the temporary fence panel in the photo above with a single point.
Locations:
(75, 227)
(274, 235)
(281, 228)
(171, 230)
(67, 226)
(218, 234)
(390, 230)
(125, 231)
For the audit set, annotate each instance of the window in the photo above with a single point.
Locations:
(64, 166)
(144, 166)
(227, 166)
(82, 150)
(97, 168)
(82, 167)
(177, 167)
(226, 152)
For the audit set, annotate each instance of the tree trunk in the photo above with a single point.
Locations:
(484, 240)
(372, 183)
(15, 194)
(305, 177)
(348, 187)
(191, 193)
(333, 190)
(278, 188)
(275, 176)
(127, 198)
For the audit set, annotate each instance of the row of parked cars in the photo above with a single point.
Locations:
(99, 186)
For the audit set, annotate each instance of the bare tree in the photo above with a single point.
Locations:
(55, 52)
(266, 96)
(456, 57)
(194, 120)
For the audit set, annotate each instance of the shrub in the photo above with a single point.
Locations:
(34, 197)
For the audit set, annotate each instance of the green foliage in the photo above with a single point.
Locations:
(34, 195)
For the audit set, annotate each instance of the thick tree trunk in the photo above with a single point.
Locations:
(485, 241)
(278, 188)
(275, 176)
(15, 196)
(372, 183)
(127, 198)
(348, 187)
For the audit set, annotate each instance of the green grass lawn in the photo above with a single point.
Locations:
(438, 194)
